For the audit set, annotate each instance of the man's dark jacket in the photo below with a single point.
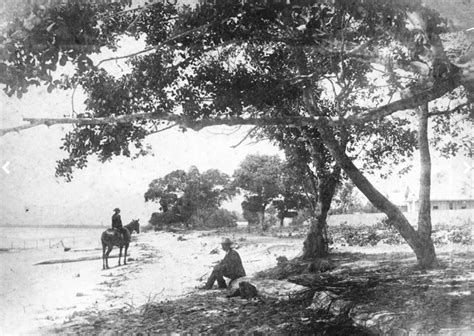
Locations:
(231, 266)
(116, 221)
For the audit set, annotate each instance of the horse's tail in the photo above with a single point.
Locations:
(102, 240)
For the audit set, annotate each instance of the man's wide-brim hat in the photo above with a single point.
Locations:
(227, 241)
(116, 209)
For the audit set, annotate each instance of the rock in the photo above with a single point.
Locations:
(322, 300)
(214, 251)
(320, 265)
(79, 294)
(273, 289)
(282, 260)
(331, 303)
(382, 322)
(260, 330)
(341, 307)
(181, 238)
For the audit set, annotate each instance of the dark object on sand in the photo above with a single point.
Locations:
(65, 248)
(246, 291)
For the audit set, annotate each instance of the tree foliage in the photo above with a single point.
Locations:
(182, 195)
(259, 178)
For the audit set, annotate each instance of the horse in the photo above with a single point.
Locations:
(112, 237)
(134, 225)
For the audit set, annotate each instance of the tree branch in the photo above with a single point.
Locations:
(17, 129)
(158, 46)
(449, 111)
(412, 102)
(245, 137)
(418, 99)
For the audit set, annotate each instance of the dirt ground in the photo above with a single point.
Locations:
(381, 287)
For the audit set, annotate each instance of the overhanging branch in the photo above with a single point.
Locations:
(378, 113)
(4, 131)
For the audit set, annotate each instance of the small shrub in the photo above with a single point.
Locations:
(302, 218)
(221, 218)
(460, 236)
(354, 236)
(270, 221)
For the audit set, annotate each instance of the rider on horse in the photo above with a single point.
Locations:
(117, 223)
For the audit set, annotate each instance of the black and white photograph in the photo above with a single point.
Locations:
(236, 167)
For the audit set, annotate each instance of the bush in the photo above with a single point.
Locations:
(355, 236)
(302, 218)
(460, 236)
(384, 232)
(161, 220)
(269, 221)
(222, 218)
(213, 218)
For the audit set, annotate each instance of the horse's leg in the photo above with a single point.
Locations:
(103, 256)
(120, 254)
(125, 255)
(109, 249)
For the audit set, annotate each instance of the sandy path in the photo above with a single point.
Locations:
(162, 267)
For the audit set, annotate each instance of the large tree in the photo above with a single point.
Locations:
(296, 63)
(182, 194)
(258, 177)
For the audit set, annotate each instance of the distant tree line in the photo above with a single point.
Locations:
(271, 187)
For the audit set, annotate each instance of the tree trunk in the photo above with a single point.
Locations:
(424, 209)
(316, 244)
(261, 219)
(424, 251)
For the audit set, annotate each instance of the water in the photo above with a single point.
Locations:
(29, 292)
(14, 238)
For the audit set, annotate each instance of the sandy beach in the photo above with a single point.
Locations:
(162, 266)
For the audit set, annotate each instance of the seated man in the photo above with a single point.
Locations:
(229, 267)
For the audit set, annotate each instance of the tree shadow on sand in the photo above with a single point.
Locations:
(387, 293)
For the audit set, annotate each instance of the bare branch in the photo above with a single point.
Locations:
(20, 128)
(249, 133)
(164, 128)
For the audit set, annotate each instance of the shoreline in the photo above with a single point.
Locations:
(53, 226)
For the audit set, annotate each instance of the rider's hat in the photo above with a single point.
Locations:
(227, 241)
(116, 209)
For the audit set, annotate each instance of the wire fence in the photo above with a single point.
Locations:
(28, 238)
(65, 243)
